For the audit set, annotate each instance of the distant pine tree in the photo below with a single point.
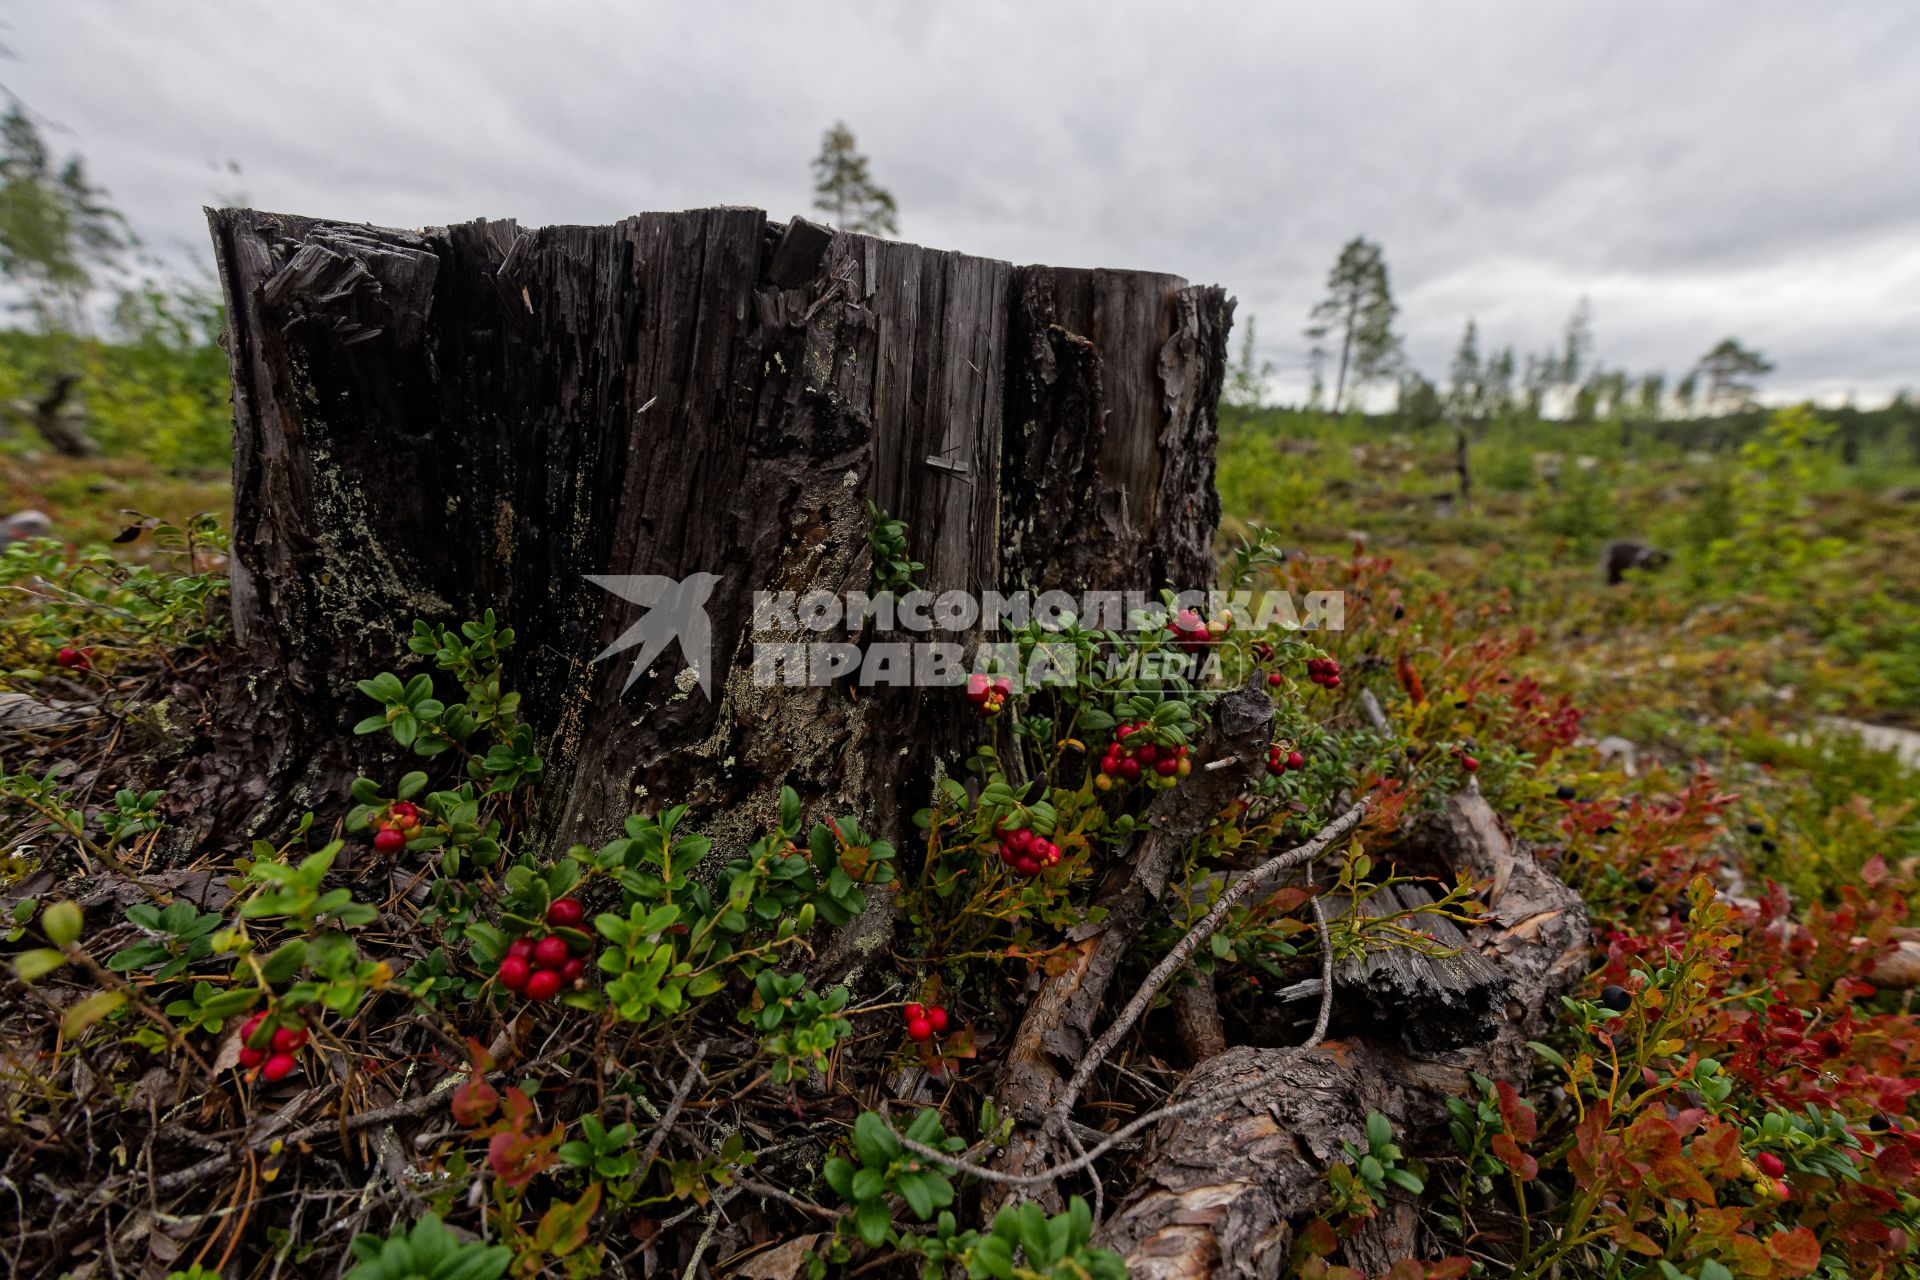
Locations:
(1357, 314)
(846, 192)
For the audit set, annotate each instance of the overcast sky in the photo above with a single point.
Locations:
(1698, 170)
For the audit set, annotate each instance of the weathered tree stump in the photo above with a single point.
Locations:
(430, 424)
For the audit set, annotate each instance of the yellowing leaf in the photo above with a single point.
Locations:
(89, 1011)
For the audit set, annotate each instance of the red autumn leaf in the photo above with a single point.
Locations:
(1637, 1241)
(516, 1158)
(1516, 1113)
(1406, 1269)
(1895, 1164)
(474, 1102)
(1752, 1257)
(1653, 1137)
(1717, 1150)
(1285, 901)
(1719, 1226)
(1450, 1269)
(1681, 1180)
(1586, 1134)
(1317, 1269)
(1317, 1239)
(477, 1054)
(1798, 1249)
(1514, 1158)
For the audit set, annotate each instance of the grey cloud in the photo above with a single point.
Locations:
(1701, 169)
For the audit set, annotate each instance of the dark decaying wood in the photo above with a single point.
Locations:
(1428, 1000)
(1218, 1189)
(433, 423)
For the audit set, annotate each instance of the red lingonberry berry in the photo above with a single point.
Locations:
(514, 971)
(1110, 764)
(74, 659)
(566, 913)
(253, 1025)
(913, 1011)
(1769, 1164)
(522, 947)
(389, 841)
(251, 1057)
(278, 1067)
(1469, 763)
(978, 687)
(1275, 679)
(550, 952)
(1295, 760)
(1026, 866)
(403, 811)
(289, 1039)
(1004, 687)
(919, 1029)
(1130, 770)
(1167, 766)
(543, 984)
(1333, 682)
(1147, 753)
(937, 1018)
(570, 971)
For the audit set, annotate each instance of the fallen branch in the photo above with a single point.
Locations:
(672, 1113)
(379, 1115)
(1182, 950)
(1086, 1158)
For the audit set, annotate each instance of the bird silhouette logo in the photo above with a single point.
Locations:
(676, 610)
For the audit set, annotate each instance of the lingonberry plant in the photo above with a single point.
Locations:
(1726, 1093)
(86, 614)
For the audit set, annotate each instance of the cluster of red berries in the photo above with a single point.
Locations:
(74, 659)
(400, 824)
(538, 968)
(1279, 761)
(989, 693)
(1027, 853)
(276, 1062)
(924, 1022)
(1192, 633)
(1324, 672)
(1161, 766)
